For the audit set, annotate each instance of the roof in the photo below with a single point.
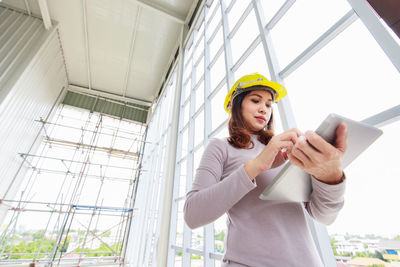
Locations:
(389, 244)
(367, 262)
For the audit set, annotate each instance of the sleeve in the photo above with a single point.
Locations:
(210, 197)
(326, 201)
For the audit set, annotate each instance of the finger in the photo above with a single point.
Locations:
(291, 135)
(286, 145)
(300, 155)
(295, 161)
(283, 154)
(318, 142)
(341, 137)
(296, 131)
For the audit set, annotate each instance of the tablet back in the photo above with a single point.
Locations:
(294, 185)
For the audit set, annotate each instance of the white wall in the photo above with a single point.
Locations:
(32, 77)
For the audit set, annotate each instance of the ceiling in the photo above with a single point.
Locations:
(120, 47)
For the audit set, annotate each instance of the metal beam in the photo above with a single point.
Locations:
(246, 53)
(281, 12)
(130, 57)
(166, 255)
(227, 47)
(317, 45)
(381, 34)
(27, 7)
(44, 10)
(241, 20)
(25, 155)
(161, 10)
(285, 109)
(87, 44)
(384, 118)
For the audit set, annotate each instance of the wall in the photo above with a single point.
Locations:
(32, 77)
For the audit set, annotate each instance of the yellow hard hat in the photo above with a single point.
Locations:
(250, 80)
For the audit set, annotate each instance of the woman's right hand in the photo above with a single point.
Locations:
(265, 160)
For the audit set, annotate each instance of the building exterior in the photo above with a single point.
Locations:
(390, 249)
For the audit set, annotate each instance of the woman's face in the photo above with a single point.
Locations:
(257, 109)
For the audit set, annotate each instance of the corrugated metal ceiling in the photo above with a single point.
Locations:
(120, 47)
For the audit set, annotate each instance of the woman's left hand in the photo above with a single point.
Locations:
(319, 158)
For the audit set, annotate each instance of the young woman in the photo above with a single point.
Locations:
(233, 172)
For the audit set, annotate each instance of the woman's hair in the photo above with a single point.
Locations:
(239, 133)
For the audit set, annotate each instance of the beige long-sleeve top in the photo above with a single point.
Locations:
(260, 232)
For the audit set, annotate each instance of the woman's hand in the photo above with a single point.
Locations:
(319, 158)
(265, 160)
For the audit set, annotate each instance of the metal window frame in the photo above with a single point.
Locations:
(381, 34)
(277, 74)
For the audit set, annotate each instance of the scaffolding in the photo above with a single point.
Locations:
(76, 203)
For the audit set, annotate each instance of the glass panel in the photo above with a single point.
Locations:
(215, 20)
(189, 51)
(270, 8)
(199, 128)
(178, 259)
(278, 127)
(256, 62)
(220, 233)
(353, 88)
(199, 95)
(372, 189)
(180, 224)
(218, 112)
(303, 24)
(186, 113)
(182, 179)
(217, 72)
(199, 32)
(214, 5)
(200, 69)
(247, 32)
(188, 69)
(197, 158)
(197, 260)
(198, 238)
(185, 136)
(223, 133)
(237, 10)
(199, 50)
(216, 43)
(188, 88)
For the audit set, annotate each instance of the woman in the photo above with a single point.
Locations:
(234, 171)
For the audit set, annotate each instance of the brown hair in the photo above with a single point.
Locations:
(239, 133)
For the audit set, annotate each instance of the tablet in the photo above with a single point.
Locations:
(292, 184)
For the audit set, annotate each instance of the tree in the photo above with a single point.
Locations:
(220, 236)
(378, 255)
(334, 246)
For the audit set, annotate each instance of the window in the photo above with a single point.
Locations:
(217, 72)
(350, 76)
(217, 108)
(303, 24)
(355, 72)
(245, 35)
